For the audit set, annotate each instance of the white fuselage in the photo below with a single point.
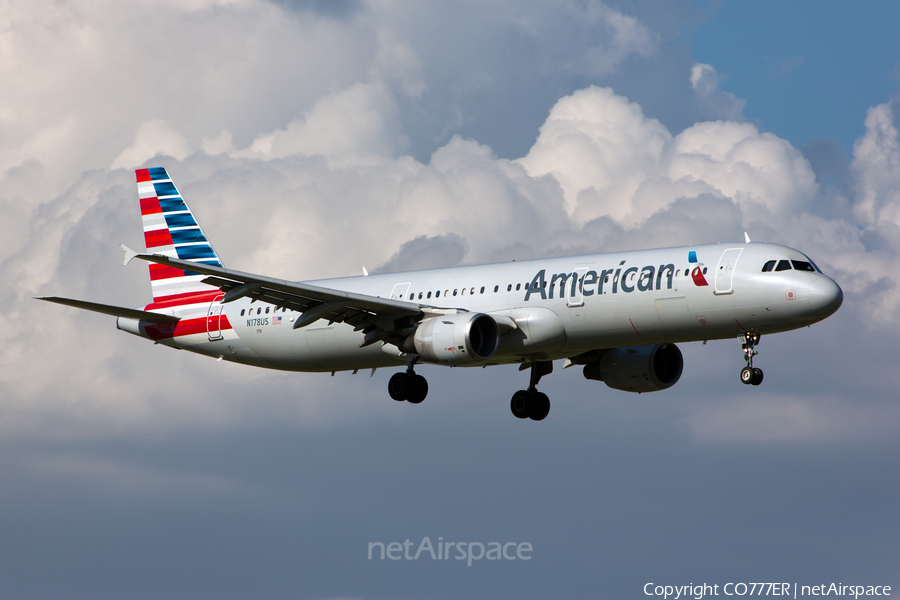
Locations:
(562, 307)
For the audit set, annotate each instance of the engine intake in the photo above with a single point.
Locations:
(638, 369)
(460, 339)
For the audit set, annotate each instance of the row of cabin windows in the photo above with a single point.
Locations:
(785, 265)
(509, 288)
(772, 265)
(259, 311)
(457, 291)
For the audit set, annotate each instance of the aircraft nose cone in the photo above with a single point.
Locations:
(825, 296)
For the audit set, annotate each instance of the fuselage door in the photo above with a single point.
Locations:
(214, 319)
(399, 292)
(575, 291)
(725, 271)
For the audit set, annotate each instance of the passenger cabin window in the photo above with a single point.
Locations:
(429, 295)
(783, 265)
(242, 312)
(509, 288)
(454, 292)
(518, 286)
(496, 288)
(482, 289)
(802, 265)
(464, 292)
(769, 266)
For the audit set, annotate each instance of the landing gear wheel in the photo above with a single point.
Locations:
(750, 375)
(400, 386)
(757, 376)
(520, 405)
(540, 407)
(419, 390)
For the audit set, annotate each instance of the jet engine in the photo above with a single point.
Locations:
(460, 339)
(638, 369)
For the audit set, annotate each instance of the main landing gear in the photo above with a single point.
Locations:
(750, 375)
(530, 403)
(408, 386)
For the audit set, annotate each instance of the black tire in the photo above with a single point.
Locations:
(757, 376)
(540, 407)
(400, 386)
(520, 405)
(419, 390)
(747, 375)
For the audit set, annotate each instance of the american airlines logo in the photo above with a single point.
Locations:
(624, 279)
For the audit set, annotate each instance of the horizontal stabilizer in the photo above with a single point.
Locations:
(115, 311)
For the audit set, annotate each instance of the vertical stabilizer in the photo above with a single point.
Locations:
(171, 229)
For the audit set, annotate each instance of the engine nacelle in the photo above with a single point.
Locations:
(460, 339)
(638, 369)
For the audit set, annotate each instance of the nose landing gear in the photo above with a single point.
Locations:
(750, 375)
(530, 403)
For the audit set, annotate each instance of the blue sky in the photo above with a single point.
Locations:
(313, 139)
(804, 69)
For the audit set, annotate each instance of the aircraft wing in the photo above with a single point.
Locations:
(377, 317)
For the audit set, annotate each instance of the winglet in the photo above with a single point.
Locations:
(129, 254)
(746, 237)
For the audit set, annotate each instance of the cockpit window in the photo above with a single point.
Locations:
(815, 266)
(783, 265)
(769, 266)
(802, 265)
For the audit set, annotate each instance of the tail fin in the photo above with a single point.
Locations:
(171, 229)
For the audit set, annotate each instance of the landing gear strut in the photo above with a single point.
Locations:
(408, 386)
(530, 403)
(750, 375)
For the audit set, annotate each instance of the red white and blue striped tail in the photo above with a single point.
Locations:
(171, 229)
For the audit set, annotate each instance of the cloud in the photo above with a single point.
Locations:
(628, 36)
(311, 140)
(719, 104)
(152, 138)
(613, 161)
(425, 252)
(795, 420)
(876, 166)
(361, 123)
(601, 176)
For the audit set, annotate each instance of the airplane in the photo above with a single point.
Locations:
(617, 315)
